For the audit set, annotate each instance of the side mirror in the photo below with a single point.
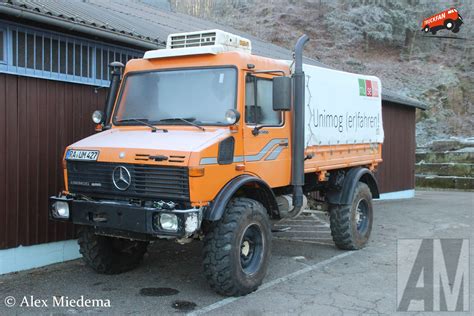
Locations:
(281, 94)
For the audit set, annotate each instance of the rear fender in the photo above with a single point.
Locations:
(345, 195)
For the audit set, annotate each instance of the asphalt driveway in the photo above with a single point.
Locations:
(307, 274)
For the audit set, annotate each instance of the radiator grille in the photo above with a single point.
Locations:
(193, 40)
(95, 179)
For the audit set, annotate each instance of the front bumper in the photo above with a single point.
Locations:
(125, 217)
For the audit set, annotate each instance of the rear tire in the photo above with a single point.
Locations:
(449, 24)
(109, 255)
(351, 225)
(237, 248)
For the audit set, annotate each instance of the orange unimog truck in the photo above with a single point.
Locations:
(203, 140)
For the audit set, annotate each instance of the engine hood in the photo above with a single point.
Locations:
(176, 140)
(133, 145)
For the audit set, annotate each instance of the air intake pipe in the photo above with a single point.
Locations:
(116, 68)
(297, 167)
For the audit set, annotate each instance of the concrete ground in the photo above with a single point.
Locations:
(307, 274)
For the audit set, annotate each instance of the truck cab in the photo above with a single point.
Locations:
(198, 141)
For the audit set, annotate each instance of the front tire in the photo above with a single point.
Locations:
(109, 255)
(237, 248)
(351, 225)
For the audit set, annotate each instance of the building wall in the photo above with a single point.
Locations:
(397, 171)
(38, 119)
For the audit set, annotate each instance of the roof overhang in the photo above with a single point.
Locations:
(389, 96)
(73, 26)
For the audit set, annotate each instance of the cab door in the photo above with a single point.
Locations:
(266, 134)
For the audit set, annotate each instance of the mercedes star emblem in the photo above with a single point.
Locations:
(121, 178)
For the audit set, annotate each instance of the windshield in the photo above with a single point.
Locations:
(166, 97)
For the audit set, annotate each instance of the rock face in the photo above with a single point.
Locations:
(450, 165)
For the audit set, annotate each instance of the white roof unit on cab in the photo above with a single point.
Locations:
(201, 42)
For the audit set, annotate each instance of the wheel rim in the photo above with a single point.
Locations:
(251, 249)
(362, 216)
(449, 25)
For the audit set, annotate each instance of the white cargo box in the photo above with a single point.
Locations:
(342, 107)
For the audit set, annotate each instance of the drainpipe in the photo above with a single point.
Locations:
(297, 166)
(115, 79)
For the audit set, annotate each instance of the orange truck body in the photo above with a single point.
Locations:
(204, 140)
(205, 187)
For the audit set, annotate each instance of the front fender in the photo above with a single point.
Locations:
(253, 186)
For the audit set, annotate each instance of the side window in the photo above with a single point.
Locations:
(259, 108)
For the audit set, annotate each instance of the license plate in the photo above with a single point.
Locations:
(88, 155)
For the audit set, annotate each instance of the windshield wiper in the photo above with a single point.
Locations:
(143, 122)
(186, 120)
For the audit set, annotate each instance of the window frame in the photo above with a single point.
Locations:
(10, 62)
(4, 53)
(253, 125)
(131, 73)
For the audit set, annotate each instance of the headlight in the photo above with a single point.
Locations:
(169, 222)
(61, 209)
(98, 117)
(232, 116)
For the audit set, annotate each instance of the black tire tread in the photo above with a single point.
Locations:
(216, 259)
(341, 223)
(97, 253)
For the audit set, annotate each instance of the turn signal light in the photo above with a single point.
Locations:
(196, 171)
(240, 167)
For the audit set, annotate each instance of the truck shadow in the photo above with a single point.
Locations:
(169, 280)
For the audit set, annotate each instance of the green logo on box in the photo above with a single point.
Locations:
(368, 88)
(362, 90)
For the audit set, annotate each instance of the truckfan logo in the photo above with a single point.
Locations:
(121, 178)
(448, 19)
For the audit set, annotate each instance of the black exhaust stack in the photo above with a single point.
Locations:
(297, 167)
(115, 79)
